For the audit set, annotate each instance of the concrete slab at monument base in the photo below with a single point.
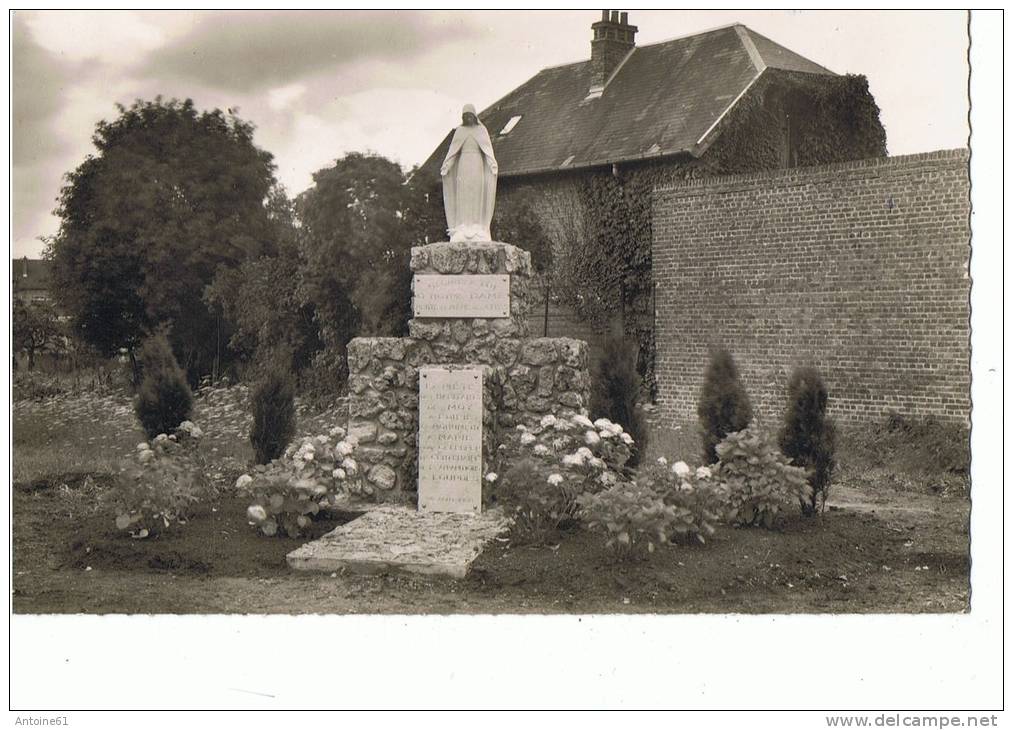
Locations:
(398, 537)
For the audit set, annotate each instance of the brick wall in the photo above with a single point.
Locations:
(859, 268)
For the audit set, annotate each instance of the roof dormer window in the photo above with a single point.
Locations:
(510, 125)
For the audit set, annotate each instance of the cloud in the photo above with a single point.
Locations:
(113, 37)
(284, 96)
(39, 80)
(247, 51)
(372, 121)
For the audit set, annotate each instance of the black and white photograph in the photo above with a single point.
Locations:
(333, 322)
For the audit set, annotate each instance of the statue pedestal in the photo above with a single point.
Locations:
(522, 378)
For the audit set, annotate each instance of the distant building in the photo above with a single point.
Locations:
(30, 280)
(629, 118)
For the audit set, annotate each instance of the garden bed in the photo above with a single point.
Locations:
(905, 554)
(877, 548)
(215, 541)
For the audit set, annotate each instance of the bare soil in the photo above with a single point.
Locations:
(875, 551)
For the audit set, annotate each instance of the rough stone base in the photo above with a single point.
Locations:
(395, 537)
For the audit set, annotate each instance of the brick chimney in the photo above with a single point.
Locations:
(612, 40)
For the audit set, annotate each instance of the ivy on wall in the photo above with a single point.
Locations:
(598, 222)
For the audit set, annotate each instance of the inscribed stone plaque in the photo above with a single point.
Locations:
(462, 295)
(450, 440)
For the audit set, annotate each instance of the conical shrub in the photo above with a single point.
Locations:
(616, 391)
(164, 399)
(724, 405)
(274, 417)
(807, 435)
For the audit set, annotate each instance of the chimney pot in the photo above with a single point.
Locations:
(612, 40)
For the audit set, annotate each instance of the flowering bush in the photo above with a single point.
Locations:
(758, 481)
(634, 516)
(697, 498)
(317, 473)
(554, 463)
(165, 478)
(663, 504)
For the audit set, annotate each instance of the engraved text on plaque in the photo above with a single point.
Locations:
(461, 295)
(450, 440)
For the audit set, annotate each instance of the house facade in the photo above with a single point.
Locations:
(582, 146)
(30, 280)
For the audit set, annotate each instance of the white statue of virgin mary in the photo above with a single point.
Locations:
(469, 180)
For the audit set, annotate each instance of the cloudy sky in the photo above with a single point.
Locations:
(319, 84)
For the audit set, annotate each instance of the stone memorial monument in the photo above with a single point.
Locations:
(468, 369)
(430, 409)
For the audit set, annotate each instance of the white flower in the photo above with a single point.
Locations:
(686, 487)
(616, 429)
(596, 462)
(338, 473)
(352, 439)
(662, 461)
(521, 427)
(256, 513)
(584, 453)
(628, 440)
(681, 469)
(549, 420)
(555, 479)
(582, 421)
(243, 481)
(491, 477)
(591, 438)
(607, 478)
(343, 448)
(703, 472)
(337, 432)
(349, 464)
(527, 438)
(143, 446)
(603, 423)
(541, 449)
(572, 460)
(145, 456)
(605, 433)
(562, 425)
(308, 455)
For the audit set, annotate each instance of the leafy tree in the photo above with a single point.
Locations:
(34, 328)
(260, 299)
(424, 216)
(354, 239)
(516, 221)
(164, 399)
(807, 435)
(171, 195)
(724, 406)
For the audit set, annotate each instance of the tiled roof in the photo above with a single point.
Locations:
(29, 273)
(663, 99)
